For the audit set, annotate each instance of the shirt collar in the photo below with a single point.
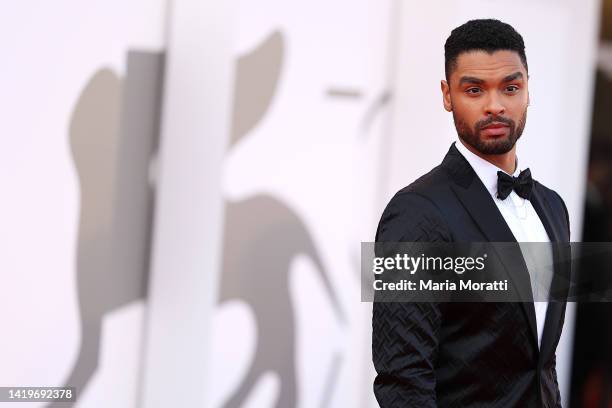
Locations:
(487, 172)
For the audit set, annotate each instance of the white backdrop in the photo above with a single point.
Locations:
(312, 153)
(51, 51)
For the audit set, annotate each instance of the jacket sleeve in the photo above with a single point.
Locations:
(405, 335)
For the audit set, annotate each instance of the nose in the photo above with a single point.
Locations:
(494, 105)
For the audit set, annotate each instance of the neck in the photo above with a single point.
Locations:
(505, 161)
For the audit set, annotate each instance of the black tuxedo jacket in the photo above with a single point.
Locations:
(464, 354)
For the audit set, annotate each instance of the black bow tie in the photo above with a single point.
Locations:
(522, 184)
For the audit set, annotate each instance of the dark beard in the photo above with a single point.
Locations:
(498, 146)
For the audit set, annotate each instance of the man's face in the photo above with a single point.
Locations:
(488, 96)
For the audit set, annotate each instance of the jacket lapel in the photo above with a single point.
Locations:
(480, 205)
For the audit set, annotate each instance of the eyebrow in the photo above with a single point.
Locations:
(470, 80)
(513, 77)
(478, 81)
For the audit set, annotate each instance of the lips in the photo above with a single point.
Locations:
(495, 125)
(495, 129)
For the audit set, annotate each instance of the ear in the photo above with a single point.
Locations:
(528, 99)
(446, 99)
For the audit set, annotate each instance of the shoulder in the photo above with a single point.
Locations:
(556, 202)
(413, 213)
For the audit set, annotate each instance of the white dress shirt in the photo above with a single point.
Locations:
(525, 225)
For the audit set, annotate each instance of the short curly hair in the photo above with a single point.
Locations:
(488, 35)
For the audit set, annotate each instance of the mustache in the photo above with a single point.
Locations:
(500, 119)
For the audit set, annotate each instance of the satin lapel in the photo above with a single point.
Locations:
(481, 207)
(555, 309)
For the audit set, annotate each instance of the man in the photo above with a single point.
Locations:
(474, 354)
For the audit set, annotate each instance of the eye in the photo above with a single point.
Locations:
(512, 88)
(473, 91)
